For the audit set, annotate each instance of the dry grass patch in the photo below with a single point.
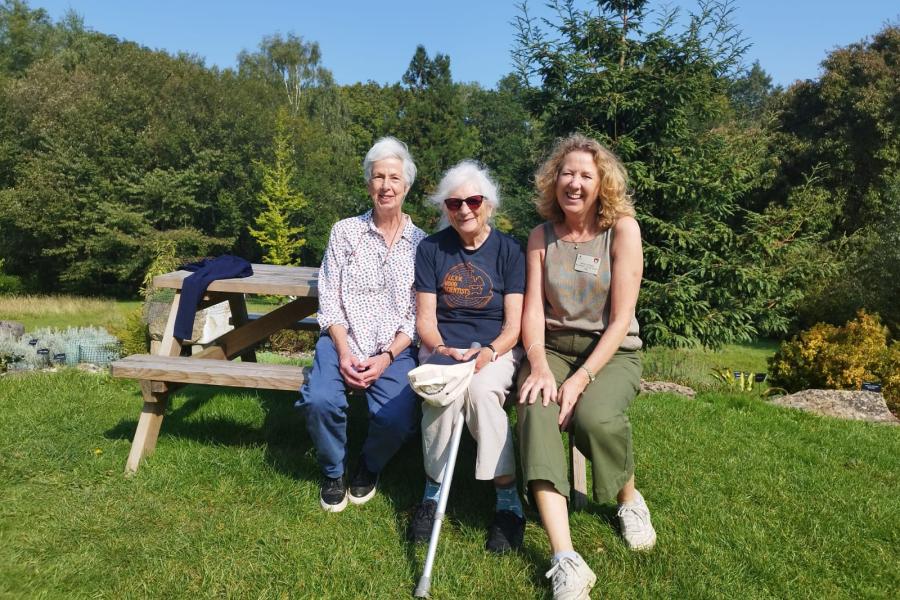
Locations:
(64, 311)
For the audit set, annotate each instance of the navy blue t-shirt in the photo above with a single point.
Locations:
(470, 284)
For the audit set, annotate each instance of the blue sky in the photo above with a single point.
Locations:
(363, 41)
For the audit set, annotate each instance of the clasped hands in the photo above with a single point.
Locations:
(360, 374)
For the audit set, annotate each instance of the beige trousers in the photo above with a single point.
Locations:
(485, 417)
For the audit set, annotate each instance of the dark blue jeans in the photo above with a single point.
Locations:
(393, 410)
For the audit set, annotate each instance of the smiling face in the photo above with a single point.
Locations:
(578, 184)
(465, 221)
(387, 186)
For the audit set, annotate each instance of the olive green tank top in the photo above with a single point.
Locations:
(576, 285)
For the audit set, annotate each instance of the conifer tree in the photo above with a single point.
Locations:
(276, 229)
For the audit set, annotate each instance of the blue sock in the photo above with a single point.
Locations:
(432, 489)
(508, 499)
(565, 554)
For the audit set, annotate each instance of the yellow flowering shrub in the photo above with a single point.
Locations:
(832, 357)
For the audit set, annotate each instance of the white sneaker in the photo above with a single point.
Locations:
(634, 520)
(571, 579)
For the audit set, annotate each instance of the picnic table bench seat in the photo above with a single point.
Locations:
(307, 324)
(180, 369)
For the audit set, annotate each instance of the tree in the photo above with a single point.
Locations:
(847, 120)
(276, 230)
(25, 35)
(659, 98)
(290, 64)
(433, 125)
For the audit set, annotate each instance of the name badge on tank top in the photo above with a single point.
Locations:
(585, 263)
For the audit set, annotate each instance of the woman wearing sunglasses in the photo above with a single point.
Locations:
(581, 340)
(470, 281)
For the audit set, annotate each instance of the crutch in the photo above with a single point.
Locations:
(424, 584)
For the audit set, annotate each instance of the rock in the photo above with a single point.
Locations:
(208, 323)
(843, 404)
(12, 329)
(666, 387)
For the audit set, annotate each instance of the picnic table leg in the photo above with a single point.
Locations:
(156, 398)
(577, 475)
(170, 346)
(147, 431)
(238, 304)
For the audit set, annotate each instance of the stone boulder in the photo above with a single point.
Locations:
(209, 323)
(11, 329)
(666, 387)
(843, 404)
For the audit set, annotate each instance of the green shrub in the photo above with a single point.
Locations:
(288, 341)
(10, 284)
(134, 333)
(844, 357)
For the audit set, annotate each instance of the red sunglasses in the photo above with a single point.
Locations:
(473, 202)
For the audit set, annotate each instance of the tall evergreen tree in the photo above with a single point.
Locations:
(277, 229)
(659, 99)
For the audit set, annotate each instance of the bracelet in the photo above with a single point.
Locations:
(532, 345)
(494, 350)
(438, 346)
(589, 374)
(389, 353)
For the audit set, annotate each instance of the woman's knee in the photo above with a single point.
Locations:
(322, 401)
(600, 424)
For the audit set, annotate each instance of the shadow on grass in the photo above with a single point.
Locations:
(288, 449)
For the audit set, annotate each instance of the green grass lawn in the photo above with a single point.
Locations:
(749, 500)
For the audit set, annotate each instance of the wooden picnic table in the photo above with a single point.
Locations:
(165, 370)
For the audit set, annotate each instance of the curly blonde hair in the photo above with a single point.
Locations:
(614, 199)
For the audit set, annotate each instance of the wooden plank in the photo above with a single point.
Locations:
(577, 475)
(266, 279)
(209, 372)
(147, 431)
(307, 324)
(238, 305)
(170, 346)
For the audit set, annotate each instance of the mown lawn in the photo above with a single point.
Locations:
(749, 500)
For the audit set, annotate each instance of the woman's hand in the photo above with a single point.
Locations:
(350, 368)
(372, 368)
(540, 383)
(569, 395)
(484, 356)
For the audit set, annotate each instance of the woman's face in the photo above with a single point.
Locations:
(578, 183)
(468, 222)
(387, 186)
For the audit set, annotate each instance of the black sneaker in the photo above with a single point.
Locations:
(506, 532)
(333, 494)
(363, 484)
(422, 522)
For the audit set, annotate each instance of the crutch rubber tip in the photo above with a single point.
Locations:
(423, 587)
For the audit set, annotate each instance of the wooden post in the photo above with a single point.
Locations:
(577, 475)
(238, 305)
(147, 431)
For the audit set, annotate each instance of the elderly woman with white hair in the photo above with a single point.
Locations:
(367, 317)
(470, 283)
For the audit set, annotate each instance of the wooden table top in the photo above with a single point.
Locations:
(266, 279)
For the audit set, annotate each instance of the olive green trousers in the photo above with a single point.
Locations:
(602, 429)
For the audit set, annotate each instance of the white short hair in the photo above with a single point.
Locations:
(390, 147)
(467, 171)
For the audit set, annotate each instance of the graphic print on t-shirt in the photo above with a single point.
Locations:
(467, 286)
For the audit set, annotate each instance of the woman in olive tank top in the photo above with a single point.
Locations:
(581, 336)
